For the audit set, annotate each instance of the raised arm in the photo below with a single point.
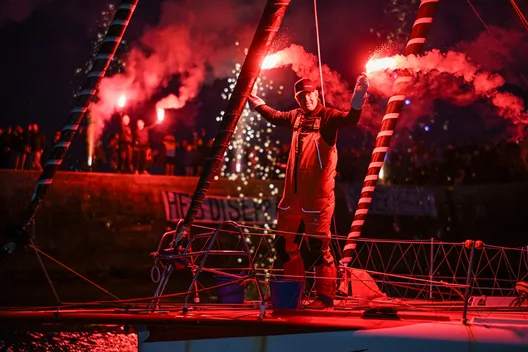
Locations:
(351, 117)
(277, 118)
(342, 118)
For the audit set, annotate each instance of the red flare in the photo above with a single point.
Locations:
(121, 102)
(386, 63)
(161, 114)
(271, 61)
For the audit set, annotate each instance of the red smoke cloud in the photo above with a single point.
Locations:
(452, 76)
(194, 41)
(304, 64)
(498, 51)
(471, 72)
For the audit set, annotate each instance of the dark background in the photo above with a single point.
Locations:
(46, 41)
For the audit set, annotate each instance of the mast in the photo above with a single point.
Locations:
(415, 44)
(266, 31)
(105, 54)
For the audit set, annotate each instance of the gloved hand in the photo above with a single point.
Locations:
(254, 100)
(341, 267)
(360, 92)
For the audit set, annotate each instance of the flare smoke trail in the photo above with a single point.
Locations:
(194, 41)
(304, 64)
(452, 76)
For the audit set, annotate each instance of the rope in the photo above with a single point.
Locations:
(72, 271)
(319, 52)
(519, 13)
(46, 272)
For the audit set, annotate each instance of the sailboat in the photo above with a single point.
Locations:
(393, 295)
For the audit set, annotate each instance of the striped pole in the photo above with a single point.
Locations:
(85, 96)
(415, 45)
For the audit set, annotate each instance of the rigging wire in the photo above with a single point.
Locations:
(316, 18)
(70, 270)
(519, 13)
(495, 39)
(44, 268)
(319, 52)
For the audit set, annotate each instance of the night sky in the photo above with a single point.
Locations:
(46, 41)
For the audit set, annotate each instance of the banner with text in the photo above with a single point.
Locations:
(217, 209)
(394, 200)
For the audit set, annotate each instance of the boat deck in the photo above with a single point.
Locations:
(342, 315)
(217, 327)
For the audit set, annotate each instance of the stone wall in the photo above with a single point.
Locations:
(101, 223)
(105, 225)
(96, 221)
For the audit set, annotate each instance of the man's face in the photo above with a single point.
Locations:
(126, 120)
(308, 100)
(140, 124)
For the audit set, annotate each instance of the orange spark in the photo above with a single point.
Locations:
(161, 114)
(121, 102)
(271, 61)
(380, 64)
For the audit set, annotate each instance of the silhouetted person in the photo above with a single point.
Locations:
(5, 147)
(141, 145)
(169, 148)
(125, 146)
(37, 143)
(19, 148)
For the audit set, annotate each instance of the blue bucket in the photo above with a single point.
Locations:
(286, 294)
(229, 294)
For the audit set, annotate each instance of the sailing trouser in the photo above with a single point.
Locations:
(317, 227)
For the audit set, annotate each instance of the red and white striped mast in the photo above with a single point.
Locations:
(415, 45)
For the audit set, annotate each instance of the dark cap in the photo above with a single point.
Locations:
(304, 85)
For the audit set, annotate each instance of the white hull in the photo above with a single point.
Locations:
(429, 337)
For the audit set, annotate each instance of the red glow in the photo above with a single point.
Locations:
(380, 64)
(271, 61)
(161, 114)
(121, 102)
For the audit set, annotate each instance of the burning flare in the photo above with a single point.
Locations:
(271, 61)
(161, 114)
(121, 102)
(386, 63)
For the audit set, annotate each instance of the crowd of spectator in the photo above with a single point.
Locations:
(130, 150)
(22, 149)
(423, 164)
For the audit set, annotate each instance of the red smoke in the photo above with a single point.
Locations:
(498, 51)
(450, 76)
(194, 41)
(337, 91)
(471, 72)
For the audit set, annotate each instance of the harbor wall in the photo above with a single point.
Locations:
(105, 225)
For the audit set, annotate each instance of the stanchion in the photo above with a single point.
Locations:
(469, 278)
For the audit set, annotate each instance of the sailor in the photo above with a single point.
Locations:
(308, 193)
